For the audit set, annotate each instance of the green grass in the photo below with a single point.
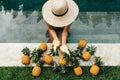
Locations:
(24, 73)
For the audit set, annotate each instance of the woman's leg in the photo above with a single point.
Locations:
(52, 32)
(65, 34)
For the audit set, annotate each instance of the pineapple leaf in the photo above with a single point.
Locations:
(68, 57)
(54, 65)
(40, 62)
(98, 61)
(79, 51)
(75, 62)
(91, 49)
(26, 51)
(35, 55)
(54, 52)
(71, 58)
(63, 69)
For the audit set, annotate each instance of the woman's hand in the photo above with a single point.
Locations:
(56, 43)
(64, 48)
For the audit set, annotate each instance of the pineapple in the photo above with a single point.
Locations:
(82, 43)
(47, 59)
(55, 45)
(78, 71)
(36, 71)
(62, 61)
(25, 60)
(86, 55)
(26, 57)
(62, 64)
(67, 53)
(43, 47)
(89, 51)
(95, 68)
(37, 53)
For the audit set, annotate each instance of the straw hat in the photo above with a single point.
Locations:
(60, 13)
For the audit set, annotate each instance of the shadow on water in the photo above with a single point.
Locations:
(98, 17)
(84, 5)
(85, 17)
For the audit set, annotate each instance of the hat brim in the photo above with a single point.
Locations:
(60, 21)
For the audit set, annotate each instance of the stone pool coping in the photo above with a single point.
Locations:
(10, 53)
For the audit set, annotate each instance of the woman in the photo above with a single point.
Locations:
(59, 15)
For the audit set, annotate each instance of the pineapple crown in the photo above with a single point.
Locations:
(54, 52)
(26, 51)
(54, 65)
(36, 54)
(98, 61)
(72, 59)
(75, 62)
(91, 49)
(40, 62)
(69, 55)
(79, 51)
(62, 69)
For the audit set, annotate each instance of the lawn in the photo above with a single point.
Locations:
(24, 73)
